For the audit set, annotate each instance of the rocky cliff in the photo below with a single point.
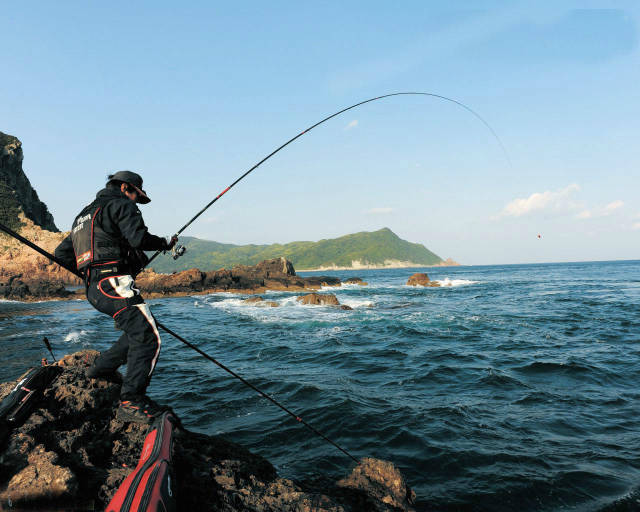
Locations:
(17, 196)
(25, 274)
(72, 454)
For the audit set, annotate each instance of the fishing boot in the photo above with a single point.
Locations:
(139, 410)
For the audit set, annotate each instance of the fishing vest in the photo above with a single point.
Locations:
(91, 244)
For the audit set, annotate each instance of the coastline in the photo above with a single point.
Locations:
(387, 265)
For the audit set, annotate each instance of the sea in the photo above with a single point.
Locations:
(510, 387)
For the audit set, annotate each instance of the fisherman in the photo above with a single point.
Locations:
(107, 243)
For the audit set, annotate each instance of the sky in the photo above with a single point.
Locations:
(192, 95)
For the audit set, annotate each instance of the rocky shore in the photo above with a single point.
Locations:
(31, 277)
(72, 454)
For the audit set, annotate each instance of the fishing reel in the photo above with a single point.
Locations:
(178, 251)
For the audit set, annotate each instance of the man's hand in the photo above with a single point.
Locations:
(171, 242)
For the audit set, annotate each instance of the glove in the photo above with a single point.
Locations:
(171, 242)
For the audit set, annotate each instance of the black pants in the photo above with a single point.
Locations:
(139, 345)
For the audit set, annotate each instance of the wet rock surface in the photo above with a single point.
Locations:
(356, 280)
(319, 299)
(421, 279)
(72, 452)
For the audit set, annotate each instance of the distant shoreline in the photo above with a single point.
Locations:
(397, 264)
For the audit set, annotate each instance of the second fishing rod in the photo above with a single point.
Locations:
(75, 272)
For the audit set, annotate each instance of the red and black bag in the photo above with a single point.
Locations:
(20, 402)
(149, 487)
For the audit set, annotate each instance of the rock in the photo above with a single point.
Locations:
(356, 280)
(275, 274)
(253, 300)
(271, 304)
(383, 481)
(421, 279)
(319, 299)
(41, 480)
(73, 451)
(345, 307)
(447, 263)
(320, 281)
(17, 196)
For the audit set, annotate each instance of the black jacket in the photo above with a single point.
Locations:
(122, 219)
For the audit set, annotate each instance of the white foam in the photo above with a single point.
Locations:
(357, 303)
(75, 336)
(27, 302)
(289, 310)
(343, 286)
(455, 282)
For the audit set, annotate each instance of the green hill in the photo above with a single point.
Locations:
(369, 248)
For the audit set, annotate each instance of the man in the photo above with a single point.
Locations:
(107, 243)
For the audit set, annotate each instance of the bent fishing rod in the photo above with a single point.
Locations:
(75, 272)
(433, 95)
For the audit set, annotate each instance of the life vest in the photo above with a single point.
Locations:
(91, 244)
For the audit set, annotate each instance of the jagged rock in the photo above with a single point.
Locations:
(16, 193)
(277, 267)
(421, 279)
(73, 450)
(25, 274)
(186, 281)
(31, 288)
(319, 299)
(275, 274)
(345, 307)
(356, 280)
(253, 300)
(381, 480)
(41, 480)
(319, 281)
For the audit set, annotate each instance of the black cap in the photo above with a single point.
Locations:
(133, 179)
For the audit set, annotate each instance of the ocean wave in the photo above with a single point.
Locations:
(236, 303)
(344, 286)
(455, 282)
(76, 337)
(357, 303)
(289, 310)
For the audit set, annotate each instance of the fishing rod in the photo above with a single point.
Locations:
(51, 257)
(438, 96)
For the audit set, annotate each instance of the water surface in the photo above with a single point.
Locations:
(512, 386)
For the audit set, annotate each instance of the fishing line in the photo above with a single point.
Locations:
(51, 257)
(459, 103)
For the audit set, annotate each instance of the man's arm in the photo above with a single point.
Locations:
(131, 225)
(64, 252)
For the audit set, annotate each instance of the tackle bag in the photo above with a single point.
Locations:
(20, 402)
(148, 487)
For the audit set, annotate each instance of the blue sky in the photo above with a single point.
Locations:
(193, 95)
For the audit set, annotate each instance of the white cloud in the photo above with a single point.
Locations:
(636, 225)
(605, 211)
(557, 200)
(352, 124)
(379, 211)
(611, 207)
